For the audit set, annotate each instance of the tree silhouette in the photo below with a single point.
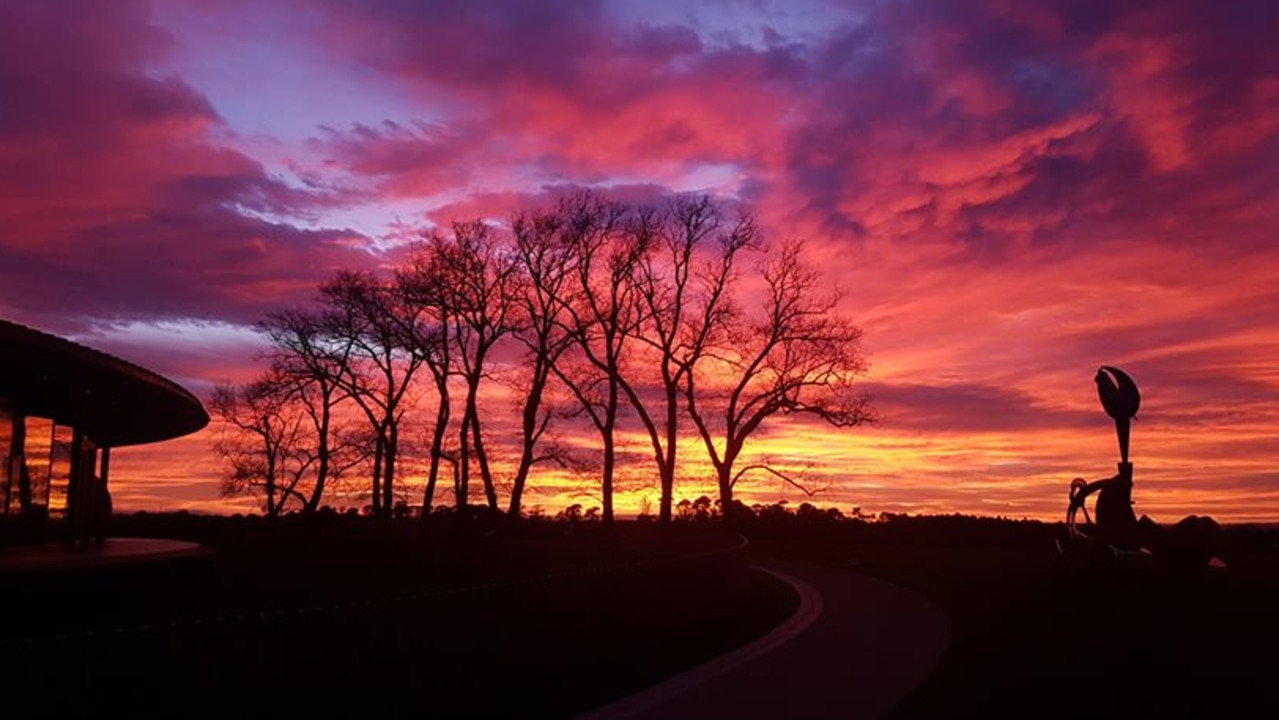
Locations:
(264, 442)
(590, 303)
(602, 313)
(308, 366)
(422, 283)
(795, 355)
(545, 255)
(478, 280)
(382, 332)
(683, 285)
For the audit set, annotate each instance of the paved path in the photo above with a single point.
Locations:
(855, 648)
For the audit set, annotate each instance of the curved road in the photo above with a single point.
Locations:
(855, 648)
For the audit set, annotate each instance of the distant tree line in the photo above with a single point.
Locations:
(762, 523)
(579, 313)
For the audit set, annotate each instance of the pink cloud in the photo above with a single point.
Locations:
(1008, 194)
(117, 201)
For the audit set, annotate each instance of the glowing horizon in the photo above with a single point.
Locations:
(1008, 195)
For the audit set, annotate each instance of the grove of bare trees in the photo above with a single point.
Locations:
(549, 341)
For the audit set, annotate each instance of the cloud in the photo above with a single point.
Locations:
(963, 408)
(1008, 194)
(994, 123)
(559, 92)
(118, 201)
(991, 114)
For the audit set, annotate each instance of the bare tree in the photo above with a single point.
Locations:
(683, 286)
(262, 440)
(310, 364)
(545, 258)
(423, 283)
(382, 331)
(797, 355)
(478, 281)
(604, 312)
(615, 308)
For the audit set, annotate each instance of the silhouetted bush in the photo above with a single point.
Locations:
(806, 521)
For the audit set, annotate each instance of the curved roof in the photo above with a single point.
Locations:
(111, 400)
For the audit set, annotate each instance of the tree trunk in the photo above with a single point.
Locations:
(666, 469)
(388, 468)
(462, 478)
(437, 447)
(379, 447)
(322, 458)
(486, 474)
(724, 476)
(610, 424)
(271, 510)
(725, 498)
(532, 405)
(606, 481)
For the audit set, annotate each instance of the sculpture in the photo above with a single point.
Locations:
(1192, 542)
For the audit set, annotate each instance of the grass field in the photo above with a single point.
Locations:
(397, 621)
(554, 620)
(1033, 641)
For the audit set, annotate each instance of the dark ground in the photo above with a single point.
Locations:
(340, 617)
(346, 618)
(1035, 638)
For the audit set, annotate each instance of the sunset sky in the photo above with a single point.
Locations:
(1009, 193)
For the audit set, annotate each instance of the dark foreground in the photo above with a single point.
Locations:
(1032, 638)
(338, 618)
(550, 621)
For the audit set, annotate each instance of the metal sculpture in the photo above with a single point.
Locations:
(1121, 399)
(1117, 531)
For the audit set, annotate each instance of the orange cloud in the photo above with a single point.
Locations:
(1007, 195)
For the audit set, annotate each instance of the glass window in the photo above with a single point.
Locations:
(38, 453)
(60, 470)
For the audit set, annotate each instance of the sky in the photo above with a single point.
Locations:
(1008, 193)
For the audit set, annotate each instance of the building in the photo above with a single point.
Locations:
(63, 407)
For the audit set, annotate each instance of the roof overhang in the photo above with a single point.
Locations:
(112, 401)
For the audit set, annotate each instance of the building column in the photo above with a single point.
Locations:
(78, 500)
(18, 462)
(106, 465)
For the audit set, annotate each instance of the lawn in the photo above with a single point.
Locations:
(1033, 641)
(551, 620)
(394, 621)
